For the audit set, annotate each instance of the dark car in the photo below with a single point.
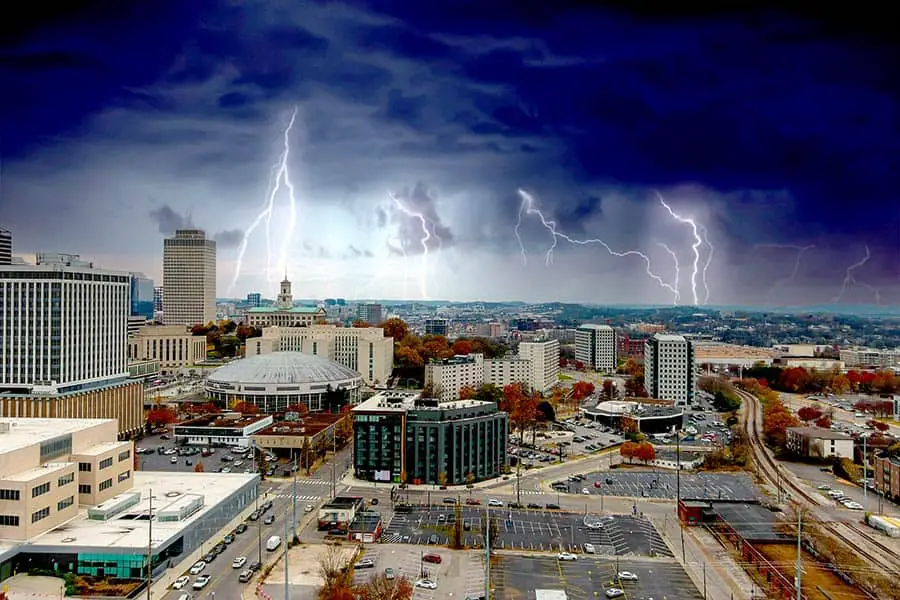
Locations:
(240, 528)
(402, 508)
(374, 502)
(267, 505)
(551, 506)
(228, 539)
(515, 505)
(533, 505)
(208, 557)
(256, 566)
(449, 500)
(254, 516)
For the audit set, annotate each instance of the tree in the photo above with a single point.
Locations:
(645, 452)
(461, 347)
(262, 463)
(809, 413)
(582, 389)
(628, 451)
(161, 416)
(245, 408)
(408, 356)
(470, 479)
(629, 425)
(609, 389)
(878, 425)
(489, 393)
(634, 387)
(442, 478)
(467, 392)
(343, 431)
(299, 408)
(379, 587)
(395, 328)
(776, 419)
(198, 468)
(824, 421)
(337, 575)
(359, 323)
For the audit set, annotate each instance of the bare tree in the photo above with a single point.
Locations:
(336, 573)
(380, 587)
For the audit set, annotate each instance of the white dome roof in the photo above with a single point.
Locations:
(283, 368)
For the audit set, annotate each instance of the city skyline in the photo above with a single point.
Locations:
(440, 156)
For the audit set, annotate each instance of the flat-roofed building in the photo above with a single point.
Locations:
(544, 358)
(172, 346)
(189, 278)
(229, 430)
(314, 430)
(502, 372)
(284, 313)
(448, 376)
(670, 371)
(595, 346)
(818, 442)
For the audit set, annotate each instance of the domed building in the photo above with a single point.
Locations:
(277, 380)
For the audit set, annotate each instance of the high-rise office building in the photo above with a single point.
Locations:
(595, 346)
(6, 246)
(189, 278)
(63, 342)
(254, 300)
(436, 326)
(142, 296)
(369, 313)
(544, 359)
(157, 299)
(670, 369)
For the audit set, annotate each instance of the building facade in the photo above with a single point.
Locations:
(227, 430)
(818, 442)
(189, 278)
(437, 326)
(670, 371)
(254, 300)
(49, 467)
(370, 313)
(363, 349)
(6, 246)
(142, 296)
(63, 325)
(544, 359)
(449, 375)
(502, 372)
(284, 313)
(595, 346)
(400, 437)
(878, 358)
(172, 345)
(887, 475)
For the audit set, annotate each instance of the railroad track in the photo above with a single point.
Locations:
(768, 466)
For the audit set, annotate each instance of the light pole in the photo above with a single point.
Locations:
(150, 545)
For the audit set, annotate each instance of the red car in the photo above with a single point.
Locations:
(432, 558)
(472, 501)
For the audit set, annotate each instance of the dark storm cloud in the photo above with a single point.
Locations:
(415, 206)
(168, 219)
(229, 239)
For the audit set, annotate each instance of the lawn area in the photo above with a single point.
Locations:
(564, 377)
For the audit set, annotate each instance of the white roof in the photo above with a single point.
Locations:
(29, 431)
(283, 368)
(592, 326)
(669, 337)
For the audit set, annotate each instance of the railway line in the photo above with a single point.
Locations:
(769, 469)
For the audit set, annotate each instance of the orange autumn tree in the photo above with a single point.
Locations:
(461, 347)
(776, 419)
(466, 392)
(645, 452)
(245, 408)
(582, 389)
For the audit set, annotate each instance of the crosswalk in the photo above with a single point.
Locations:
(290, 496)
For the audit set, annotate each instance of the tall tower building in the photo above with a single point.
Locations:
(285, 297)
(369, 313)
(544, 359)
(142, 296)
(670, 369)
(189, 278)
(6, 247)
(595, 346)
(63, 325)
(157, 299)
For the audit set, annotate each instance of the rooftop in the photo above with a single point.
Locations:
(283, 368)
(98, 449)
(26, 431)
(35, 472)
(593, 326)
(820, 433)
(753, 522)
(129, 529)
(224, 420)
(668, 337)
(308, 426)
(406, 401)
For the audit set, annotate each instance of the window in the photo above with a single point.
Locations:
(84, 467)
(84, 488)
(9, 520)
(105, 485)
(124, 455)
(55, 448)
(124, 475)
(65, 503)
(66, 480)
(9, 494)
(41, 514)
(105, 463)
(40, 490)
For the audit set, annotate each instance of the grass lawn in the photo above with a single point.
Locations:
(564, 377)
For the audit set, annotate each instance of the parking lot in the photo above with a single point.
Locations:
(663, 484)
(458, 575)
(535, 529)
(516, 578)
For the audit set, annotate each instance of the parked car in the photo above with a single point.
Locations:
(238, 562)
(615, 593)
(269, 520)
(432, 558)
(426, 584)
(473, 501)
(197, 567)
(245, 576)
(566, 556)
(241, 528)
(366, 563)
(181, 582)
(627, 576)
(201, 582)
(495, 502)
(389, 573)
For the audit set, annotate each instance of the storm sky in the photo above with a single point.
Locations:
(420, 129)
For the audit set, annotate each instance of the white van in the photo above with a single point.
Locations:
(273, 542)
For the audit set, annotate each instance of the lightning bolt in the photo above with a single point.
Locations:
(850, 279)
(677, 268)
(709, 257)
(278, 173)
(695, 247)
(801, 250)
(527, 207)
(426, 235)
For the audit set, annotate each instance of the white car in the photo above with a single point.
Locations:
(426, 584)
(239, 562)
(184, 597)
(201, 582)
(309, 508)
(198, 566)
(615, 593)
(495, 502)
(627, 576)
(566, 556)
(589, 549)
(181, 582)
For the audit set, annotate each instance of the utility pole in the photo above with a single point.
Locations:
(677, 469)
(487, 552)
(865, 476)
(150, 546)
(704, 581)
(294, 498)
(286, 545)
(798, 576)
(258, 525)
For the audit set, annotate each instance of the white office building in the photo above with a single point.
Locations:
(189, 278)
(363, 349)
(544, 359)
(881, 358)
(670, 371)
(595, 346)
(502, 372)
(448, 376)
(63, 325)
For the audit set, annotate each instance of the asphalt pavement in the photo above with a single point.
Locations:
(664, 484)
